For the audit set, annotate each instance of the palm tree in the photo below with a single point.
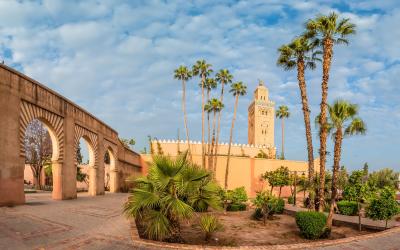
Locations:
(282, 113)
(223, 77)
(237, 89)
(299, 53)
(171, 192)
(184, 74)
(202, 69)
(215, 106)
(210, 84)
(327, 31)
(343, 121)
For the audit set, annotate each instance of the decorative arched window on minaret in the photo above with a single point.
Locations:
(261, 118)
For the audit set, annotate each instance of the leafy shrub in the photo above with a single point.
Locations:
(280, 206)
(236, 207)
(311, 224)
(237, 195)
(348, 207)
(209, 224)
(384, 206)
(290, 200)
(267, 205)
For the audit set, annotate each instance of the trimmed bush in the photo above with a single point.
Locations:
(236, 207)
(348, 207)
(311, 224)
(280, 206)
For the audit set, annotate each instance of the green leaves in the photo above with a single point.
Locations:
(209, 224)
(384, 206)
(169, 194)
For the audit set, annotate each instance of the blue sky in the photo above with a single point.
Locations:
(116, 59)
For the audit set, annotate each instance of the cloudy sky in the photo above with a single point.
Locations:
(116, 59)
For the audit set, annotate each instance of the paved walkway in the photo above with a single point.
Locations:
(97, 223)
(84, 223)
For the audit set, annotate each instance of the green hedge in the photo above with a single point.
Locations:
(348, 207)
(290, 200)
(236, 207)
(280, 206)
(311, 224)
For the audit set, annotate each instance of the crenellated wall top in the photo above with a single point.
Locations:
(168, 141)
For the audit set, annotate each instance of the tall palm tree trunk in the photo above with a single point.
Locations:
(209, 134)
(213, 143)
(230, 143)
(327, 50)
(218, 130)
(185, 117)
(203, 158)
(283, 138)
(306, 115)
(336, 162)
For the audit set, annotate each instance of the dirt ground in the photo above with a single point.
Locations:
(239, 229)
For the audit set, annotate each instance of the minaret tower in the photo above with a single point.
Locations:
(261, 118)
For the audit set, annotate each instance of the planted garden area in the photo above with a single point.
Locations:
(180, 202)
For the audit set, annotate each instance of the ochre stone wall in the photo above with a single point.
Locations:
(23, 99)
(246, 171)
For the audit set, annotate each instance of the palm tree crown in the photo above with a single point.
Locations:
(238, 89)
(202, 68)
(342, 115)
(329, 27)
(182, 73)
(224, 76)
(214, 105)
(210, 84)
(301, 48)
(282, 112)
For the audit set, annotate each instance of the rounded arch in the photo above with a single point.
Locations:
(112, 175)
(52, 122)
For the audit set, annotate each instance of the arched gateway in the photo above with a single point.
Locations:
(23, 99)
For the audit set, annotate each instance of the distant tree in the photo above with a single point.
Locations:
(343, 178)
(184, 74)
(283, 113)
(384, 177)
(38, 149)
(150, 144)
(128, 143)
(261, 154)
(203, 70)
(237, 89)
(278, 178)
(365, 169)
(357, 190)
(223, 77)
(383, 206)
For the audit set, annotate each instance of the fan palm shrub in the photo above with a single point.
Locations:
(168, 195)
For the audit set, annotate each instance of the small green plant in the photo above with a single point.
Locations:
(266, 205)
(290, 200)
(280, 206)
(235, 199)
(348, 207)
(383, 206)
(209, 224)
(311, 224)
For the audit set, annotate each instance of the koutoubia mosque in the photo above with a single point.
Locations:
(248, 161)
(23, 99)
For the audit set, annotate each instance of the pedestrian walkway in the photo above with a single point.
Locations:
(84, 223)
(98, 223)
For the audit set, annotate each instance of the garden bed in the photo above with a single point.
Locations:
(240, 230)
